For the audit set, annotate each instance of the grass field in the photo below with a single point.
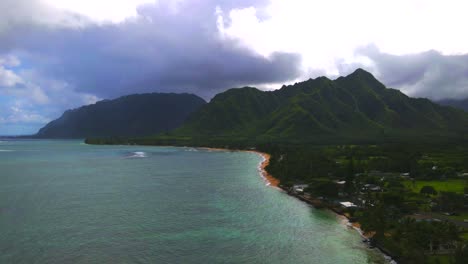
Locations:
(439, 259)
(456, 186)
(464, 236)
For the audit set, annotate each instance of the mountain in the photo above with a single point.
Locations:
(127, 116)
(353, 108)
(462, 104)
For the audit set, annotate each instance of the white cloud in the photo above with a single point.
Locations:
(30, 99)
(326, 31)
(18, 114)
(35, 12)
(8, 78)
(9, 61)
(101, 10)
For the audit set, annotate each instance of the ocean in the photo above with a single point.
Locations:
(63, 201)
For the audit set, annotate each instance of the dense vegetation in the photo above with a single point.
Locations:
(418, 208)
(133, 115)
(400, 160)
(355, 108)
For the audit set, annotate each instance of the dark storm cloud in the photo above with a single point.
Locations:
(162, 50)
(427, 74)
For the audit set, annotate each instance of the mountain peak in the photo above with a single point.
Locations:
(361, 72)
(364, 79)
(357, 108)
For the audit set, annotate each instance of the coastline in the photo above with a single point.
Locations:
(271, 181)
(345, 220)
(316, 203)
(274, 182)
(268, 178)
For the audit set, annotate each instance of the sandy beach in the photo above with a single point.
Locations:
(272, 181)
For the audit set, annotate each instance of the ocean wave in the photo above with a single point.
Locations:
(6, 150)
(138, 154)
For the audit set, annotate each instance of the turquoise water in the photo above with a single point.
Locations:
(67, 202)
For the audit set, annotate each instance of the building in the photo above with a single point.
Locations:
(299, 188)
(371, 188)
(347, 204)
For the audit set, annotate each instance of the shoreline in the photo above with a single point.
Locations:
(316, 203)
(274, 182)
(268, 178)
(343, 219)
(271, 181)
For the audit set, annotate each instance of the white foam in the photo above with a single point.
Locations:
(261, 172)
(138, 154)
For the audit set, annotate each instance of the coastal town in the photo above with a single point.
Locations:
(412, 219)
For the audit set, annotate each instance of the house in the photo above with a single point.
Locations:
(372, 188)
(299, 188)
(347, 204)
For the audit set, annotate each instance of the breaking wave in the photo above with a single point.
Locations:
(138, 154)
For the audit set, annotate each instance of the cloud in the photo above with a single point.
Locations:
(28, 13)
(426, 74)
(8, 78)
(18, 114)
(71, 57)
(19, 119)
(28, 100)
(165, 48)
(405, 32)
(99, 10)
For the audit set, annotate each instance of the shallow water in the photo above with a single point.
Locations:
(67, 202)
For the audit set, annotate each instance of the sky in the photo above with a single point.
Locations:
(61, 54)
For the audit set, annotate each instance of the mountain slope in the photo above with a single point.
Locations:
(128, 116)
(462, 104)
(354, 107)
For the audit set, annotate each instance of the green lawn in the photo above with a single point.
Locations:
(464, 236)
(460, 217)
(456, 186)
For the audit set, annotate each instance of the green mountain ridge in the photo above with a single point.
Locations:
(128, 116)
(355, 107)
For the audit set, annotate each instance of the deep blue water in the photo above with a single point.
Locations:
(67, 202)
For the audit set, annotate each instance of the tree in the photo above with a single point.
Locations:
(325, 188)
(374, 219)
(461, 253)
(450, 201)
(449, 172)
(428, 190)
